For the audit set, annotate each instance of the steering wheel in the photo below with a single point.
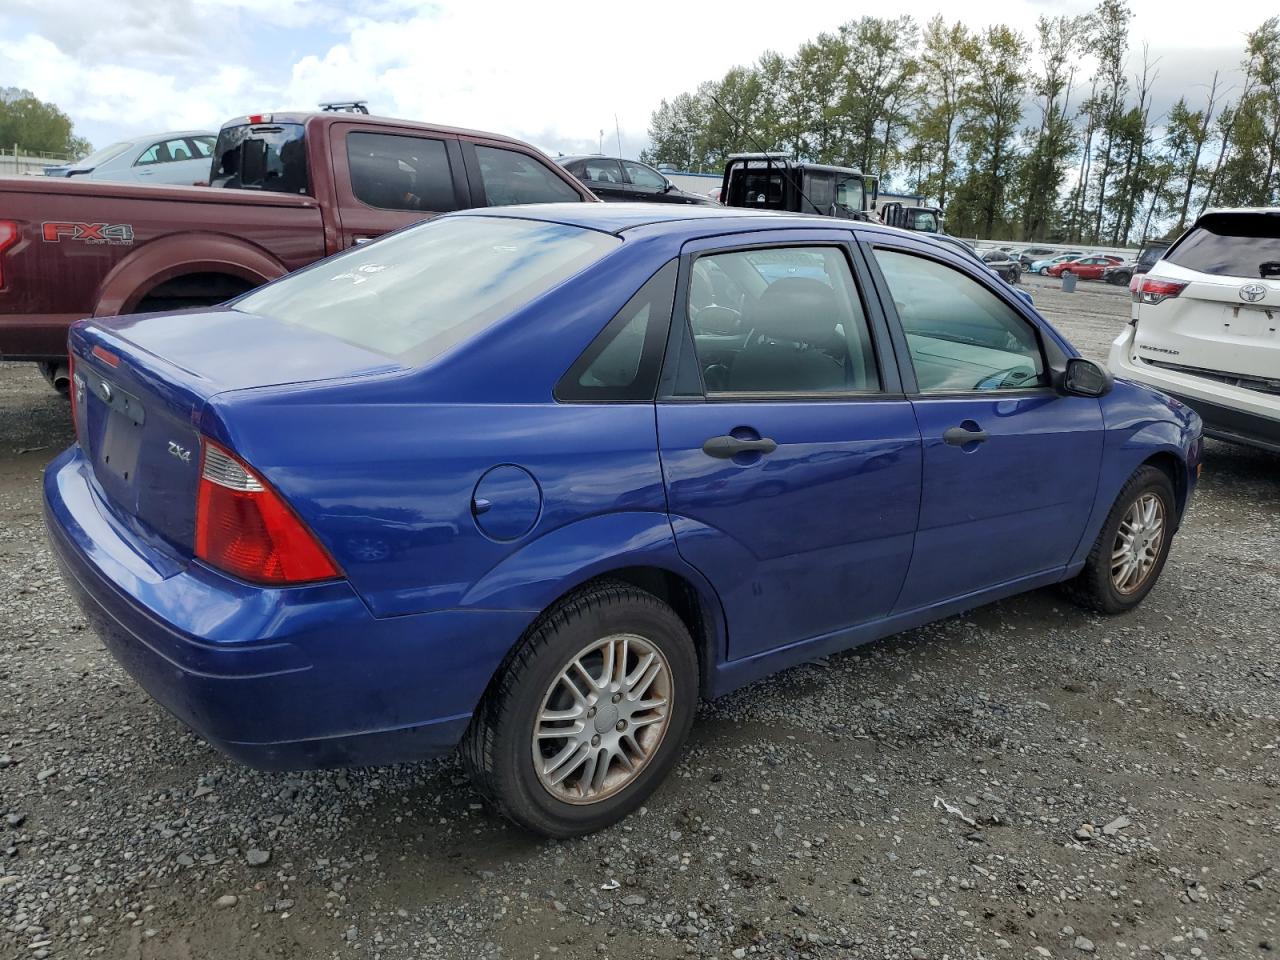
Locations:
(1009, 377)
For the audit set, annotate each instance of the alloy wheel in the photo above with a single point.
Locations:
(602, 719)
(1138, 543)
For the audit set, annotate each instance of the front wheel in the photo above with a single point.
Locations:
(1044, 271)
(588, 715)
(1131, 549)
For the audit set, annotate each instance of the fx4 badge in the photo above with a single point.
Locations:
(182, 453)
(110, 233)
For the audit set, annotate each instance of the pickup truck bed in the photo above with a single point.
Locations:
(286, 190)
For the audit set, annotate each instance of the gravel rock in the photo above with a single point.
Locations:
(226, 901)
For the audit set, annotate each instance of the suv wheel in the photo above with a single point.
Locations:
(589, 713)
(1131, 549)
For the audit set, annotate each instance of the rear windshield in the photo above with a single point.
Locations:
(102, 156)
(1231, 245)
(416, 293)
(266, 156)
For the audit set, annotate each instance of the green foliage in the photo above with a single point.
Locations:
(1039, 141)
(35, 126)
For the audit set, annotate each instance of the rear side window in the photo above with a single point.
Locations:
(623, 362)
(394, 172)
(416, 293)
(1231, 245)
(512, 177)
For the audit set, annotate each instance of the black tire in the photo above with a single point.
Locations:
(496, 749)
(1044, 271)
(1094, 588)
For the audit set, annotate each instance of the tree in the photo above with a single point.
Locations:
(878, 88)
(942, 84)
(1052, 145)
(36, 126)
(994, 106)
(1108, 42)
(1186, 134)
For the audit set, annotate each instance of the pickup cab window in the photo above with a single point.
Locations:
(509, 176)
(394, 172)
(264, 156)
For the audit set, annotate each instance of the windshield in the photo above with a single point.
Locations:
(416, 293)
(268, 156)
(851, 193)
(101, 156)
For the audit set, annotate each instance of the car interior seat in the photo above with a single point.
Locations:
(793, 340)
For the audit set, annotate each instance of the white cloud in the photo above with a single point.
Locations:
(549, 73)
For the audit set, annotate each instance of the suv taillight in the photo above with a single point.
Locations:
(245, 528)
(1154, 290)
(8, 237)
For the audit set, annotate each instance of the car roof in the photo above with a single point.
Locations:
(619, 218)
(328, 117)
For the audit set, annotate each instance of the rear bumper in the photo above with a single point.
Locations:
(1229, 413)
(278, 679)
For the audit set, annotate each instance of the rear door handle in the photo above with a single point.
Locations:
(726, 447)
(959, 436)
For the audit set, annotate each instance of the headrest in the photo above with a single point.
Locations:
(797, 308)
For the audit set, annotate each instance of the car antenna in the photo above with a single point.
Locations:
(768, 157)
(618, 130)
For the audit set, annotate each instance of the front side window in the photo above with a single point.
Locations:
(416, 293)
(643, 177)
(820, 192)
(203, 146)
(512, 177)
(395, 172)
(780, 320)
(166, 151)
(960, 335)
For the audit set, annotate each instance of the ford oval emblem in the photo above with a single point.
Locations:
(1252, 292)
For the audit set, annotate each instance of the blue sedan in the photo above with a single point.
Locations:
(530, 481)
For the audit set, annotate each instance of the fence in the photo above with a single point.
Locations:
(16, 162)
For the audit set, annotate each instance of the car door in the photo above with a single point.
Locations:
(504, 174)
(1010, 465)
(605, 178)
(385, 179)
(790, 455)
(648, 185)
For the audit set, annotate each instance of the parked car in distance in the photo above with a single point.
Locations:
(1003, 263)
(321, 552)
(1000, 268)
(179, 157)
(1148, 254)
(771, 181)
(615, 180)
(1204, 325)
(1029, 255)
(1086, 268)
(288, 189)
(1042, 266)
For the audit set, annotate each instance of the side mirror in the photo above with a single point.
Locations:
(1084, 378)
(668, 186)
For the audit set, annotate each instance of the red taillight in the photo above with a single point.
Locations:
(244, 528)
(1154, 290)
(8, 237)
(106, 356)
(255, 118)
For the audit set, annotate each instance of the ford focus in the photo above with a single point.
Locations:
(530, 481)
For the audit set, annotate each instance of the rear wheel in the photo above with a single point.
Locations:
(588, 715)
(1131, 549)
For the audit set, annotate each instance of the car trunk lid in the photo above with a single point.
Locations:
(140, 415)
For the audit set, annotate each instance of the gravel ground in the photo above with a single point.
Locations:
(1024, 781)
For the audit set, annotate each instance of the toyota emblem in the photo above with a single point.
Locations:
(1252, 292)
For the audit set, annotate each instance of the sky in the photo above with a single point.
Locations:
(555, 74)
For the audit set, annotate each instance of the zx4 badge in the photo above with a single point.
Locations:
(182, 453)
(55, 231)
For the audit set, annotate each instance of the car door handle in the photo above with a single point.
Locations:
(959, 436)
(726, 447)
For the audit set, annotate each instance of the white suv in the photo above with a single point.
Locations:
(1205, 325)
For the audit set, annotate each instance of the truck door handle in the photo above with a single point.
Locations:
(960, 436)
(727, 447)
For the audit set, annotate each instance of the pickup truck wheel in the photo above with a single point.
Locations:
(588, 715)
(1131, 549)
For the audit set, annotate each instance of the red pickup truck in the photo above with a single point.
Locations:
(301, 187)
